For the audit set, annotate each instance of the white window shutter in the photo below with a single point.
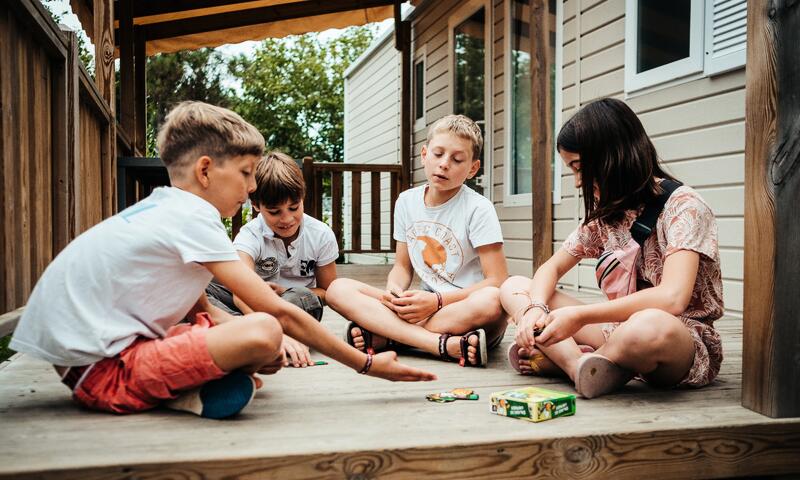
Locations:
(726, 35)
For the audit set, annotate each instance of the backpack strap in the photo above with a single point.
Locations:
(646, 221)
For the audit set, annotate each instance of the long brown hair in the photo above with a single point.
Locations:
(616, 155)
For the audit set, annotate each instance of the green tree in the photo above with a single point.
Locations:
(292, 90)
(186, 75)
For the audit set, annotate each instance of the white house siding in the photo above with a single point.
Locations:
(371, 134)
(697, 127)
(431, 37)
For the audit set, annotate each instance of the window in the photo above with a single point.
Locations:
(666, 41)
(470, 62)
(419, 94)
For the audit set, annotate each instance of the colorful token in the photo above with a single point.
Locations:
(442, 397)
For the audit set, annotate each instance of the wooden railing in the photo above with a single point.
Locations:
(137, 177)
(315, 172)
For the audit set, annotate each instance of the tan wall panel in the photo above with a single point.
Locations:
(603, 14)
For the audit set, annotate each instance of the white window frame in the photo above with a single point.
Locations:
(421, 57)
(509, 199)
(693, 64)
(456, 18)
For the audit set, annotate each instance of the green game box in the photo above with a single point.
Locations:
(534, 404)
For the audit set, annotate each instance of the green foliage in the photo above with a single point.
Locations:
(186, 75)
(5, 352)
(84, 53)
(292, 90)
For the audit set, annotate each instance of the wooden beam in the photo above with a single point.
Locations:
(406, 116)
(127, 77)
(140, 92)
(542, 134)
(254, 16)
(104, 50)
(770, 382)
(308, 177)
(8, 321)
(162, 7)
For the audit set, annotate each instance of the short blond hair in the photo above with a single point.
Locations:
(278, 179)
(460, 126)
(194, 129)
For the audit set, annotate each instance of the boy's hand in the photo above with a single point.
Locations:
(295, 353)
(415, 306)
(388, 296)
(386, 366)
(276, 288)
(562, 323)
(273, 366)
(535, 317)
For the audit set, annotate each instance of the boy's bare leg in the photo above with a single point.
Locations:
(251, 343)
(481, 309)
(361, 304)
(514, 295)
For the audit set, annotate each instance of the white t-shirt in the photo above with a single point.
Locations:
(134, 274)
(442, 240)
(315, 246)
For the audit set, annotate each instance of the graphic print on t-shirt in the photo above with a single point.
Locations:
(435, 252)
(307, 267)
(267, 267)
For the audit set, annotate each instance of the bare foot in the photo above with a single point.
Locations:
(534, 362)
(378, 342)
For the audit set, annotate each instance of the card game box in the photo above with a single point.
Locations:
(534, 404)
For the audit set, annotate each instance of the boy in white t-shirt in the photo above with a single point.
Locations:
(293, 252)
(106, 311)
(450, 236)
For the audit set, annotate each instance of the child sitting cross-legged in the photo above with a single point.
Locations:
(655, 242)
(106, 311)
(293, 252)
(450, 236)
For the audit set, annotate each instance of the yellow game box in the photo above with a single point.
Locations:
(534, 404)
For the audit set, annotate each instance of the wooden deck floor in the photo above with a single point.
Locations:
(328, 422)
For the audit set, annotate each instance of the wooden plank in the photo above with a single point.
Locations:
(8, 321)
(254, 16)
(318, 193)
(236, 220)
(355, 212)
(104, 51)
(337, 197)
(542, 130)
(375, 210)
(308, 176)
(140, 92)
(6, 134)
(356, 167)
(28, 127)
(406, 116)
(127, 77)
(770, 384)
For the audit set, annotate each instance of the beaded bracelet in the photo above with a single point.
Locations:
(438, 300)
(367, 365)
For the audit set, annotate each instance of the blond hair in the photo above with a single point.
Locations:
(278, 179)
(194, 129)
(460, 126)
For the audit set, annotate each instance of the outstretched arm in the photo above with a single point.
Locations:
(248, 286)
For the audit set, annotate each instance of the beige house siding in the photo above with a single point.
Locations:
(431, 37)
(372, 134)
(697, 127)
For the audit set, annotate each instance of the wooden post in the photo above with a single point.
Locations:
(336, 207)
(308, 177)
(542, 133)
(402, 42)
(140, 93)
(771, 333)
(355, 209)
(394, 191)
(104, 50)
(127, 76)
(375, 210)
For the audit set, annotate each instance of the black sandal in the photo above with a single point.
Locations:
(367, 336)
(481, 356)
(443, 348)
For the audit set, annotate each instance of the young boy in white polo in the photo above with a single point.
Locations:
(449, 235)
(106, 311)
(291, 251)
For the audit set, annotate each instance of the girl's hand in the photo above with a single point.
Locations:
(277, 288)
(562, 323)
(295, 353)
(415, 306)
(534, 317)
(385, 365)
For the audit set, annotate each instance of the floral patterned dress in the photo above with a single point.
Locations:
(686, 223)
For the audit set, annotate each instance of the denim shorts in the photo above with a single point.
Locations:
(302, 297)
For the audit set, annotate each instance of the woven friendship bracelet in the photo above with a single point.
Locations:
(542, 306)
(438, 300)
(367, 365)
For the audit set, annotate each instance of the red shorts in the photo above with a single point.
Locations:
(148, 372)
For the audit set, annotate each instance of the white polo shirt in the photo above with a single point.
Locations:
(441, 240)
(134, 274)
(315, 246)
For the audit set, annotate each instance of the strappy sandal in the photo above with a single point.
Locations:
(538, 361)
(367, 336)
(481, 355)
